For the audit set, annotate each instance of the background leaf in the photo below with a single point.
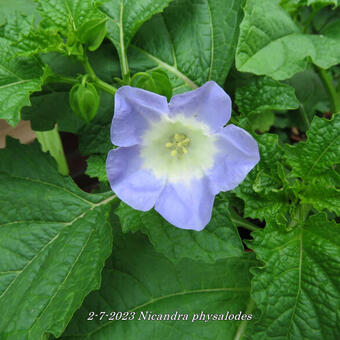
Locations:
(192, 48)
(263, 94)
(219, 240)
(125, 17)
(139, 279)
(320, 152)
(263, 190)
(297, 289)
(67, 14)
(271, 44)
(54, 240)
(19, 77)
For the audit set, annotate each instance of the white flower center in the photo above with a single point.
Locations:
(178, 148)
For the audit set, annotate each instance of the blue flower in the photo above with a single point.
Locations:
(177, 156)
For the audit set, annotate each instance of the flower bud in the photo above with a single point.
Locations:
(92, 33)
(84, 100)
(156, 81)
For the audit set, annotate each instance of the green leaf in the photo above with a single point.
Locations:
(312, 97)
(19, 77)
(264, 191)
(67, 13)
(262, 122)
(124, 19)
(167, 42)
(95, 139)
(138, 279)
(323, 192)
(294, 5)
(96, 167)
(321, 151)
(298, 288)
(219, 239)
(26, 7)
(49, 109)
(54, 239)
(263, 94)
(271, 44)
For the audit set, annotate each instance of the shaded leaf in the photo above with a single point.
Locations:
(139, 279)
(54, 240)
(219, 239)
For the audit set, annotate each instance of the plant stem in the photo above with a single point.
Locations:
(50, 141)
(244, 323)
(329, 86)
(105, 86)
(239, 221)
(97, 81)
(61, 79)
(122, 55)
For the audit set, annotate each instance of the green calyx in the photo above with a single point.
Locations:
(92, 33)
(84, 100)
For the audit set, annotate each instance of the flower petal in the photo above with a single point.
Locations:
(238, 154)
(186, 205)
(209, 104)
(134, 185)
(134, 110)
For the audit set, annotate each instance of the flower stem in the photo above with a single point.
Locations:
(56, 78)
(244, 323)
(241, 222)
(329, 86)
(122, 55)
(50, 141)
(97, 81)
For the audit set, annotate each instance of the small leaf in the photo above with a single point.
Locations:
(263, 191)
(96, 167)
(321, 151)
(263, 94)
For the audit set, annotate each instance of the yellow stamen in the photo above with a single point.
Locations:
(178, 145)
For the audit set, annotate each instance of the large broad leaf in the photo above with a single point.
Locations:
(271, 44)
(321, 151)
(219, 239)
(298, 288)
(19, 77)
(138, 279)
(263, 190)
(54, 240)
(193, 40)
(125, 17)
